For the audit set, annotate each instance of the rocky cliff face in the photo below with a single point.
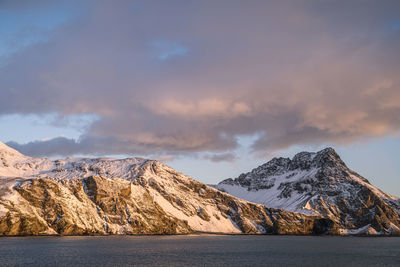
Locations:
(128, 196)
(320, 184)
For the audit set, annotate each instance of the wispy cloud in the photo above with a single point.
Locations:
(230, 157)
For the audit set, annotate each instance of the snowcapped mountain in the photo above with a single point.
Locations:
(41, 196)
(319, 184)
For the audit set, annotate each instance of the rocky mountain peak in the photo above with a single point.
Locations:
(262, 177)
(324, 158)
(325, 166)
(328, 156)
(302, 161)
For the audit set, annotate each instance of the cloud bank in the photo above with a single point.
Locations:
(178, 77)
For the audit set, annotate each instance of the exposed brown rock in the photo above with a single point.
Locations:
(98, 205)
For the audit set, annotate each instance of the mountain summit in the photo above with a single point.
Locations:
(319, 184)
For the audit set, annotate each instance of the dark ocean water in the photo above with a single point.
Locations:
(207, 250)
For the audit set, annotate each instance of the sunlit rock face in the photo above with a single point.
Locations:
(128, 196)
(320, 184)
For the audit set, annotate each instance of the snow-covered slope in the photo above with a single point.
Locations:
(127, 196)
(320, 184)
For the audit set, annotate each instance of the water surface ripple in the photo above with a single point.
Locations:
(202, 250)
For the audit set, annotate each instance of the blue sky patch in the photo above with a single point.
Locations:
(166, 49)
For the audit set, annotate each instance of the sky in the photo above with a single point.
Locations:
(213, 88)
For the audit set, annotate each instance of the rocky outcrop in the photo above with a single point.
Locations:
(320, 184)
(93, 205)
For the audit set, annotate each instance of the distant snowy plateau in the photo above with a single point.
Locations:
(314, 193)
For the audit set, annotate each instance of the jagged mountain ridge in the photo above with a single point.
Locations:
(127, 196)
(319, 184)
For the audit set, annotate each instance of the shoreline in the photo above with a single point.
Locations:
(199, 234)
